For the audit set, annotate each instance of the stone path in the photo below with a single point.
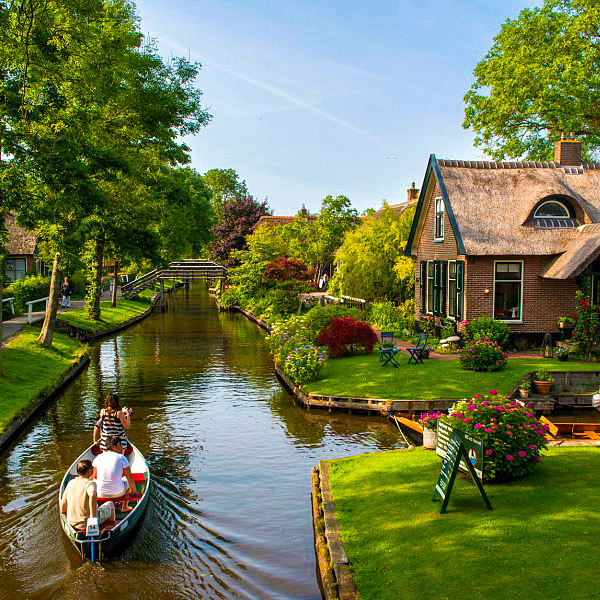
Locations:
(13, 326)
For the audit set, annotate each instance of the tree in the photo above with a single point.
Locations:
(372, 262)
(224, 185)
(236, 220)
(539, 80)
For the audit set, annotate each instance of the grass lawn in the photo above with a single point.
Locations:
(29, 369)
(110, 317)
(540, 541)
(362, 376)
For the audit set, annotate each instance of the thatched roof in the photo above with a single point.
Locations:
(577, 254)
(20, 241)
(273, 221)
(397, 208)
(491, 203)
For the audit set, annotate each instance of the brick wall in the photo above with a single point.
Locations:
(543, 299)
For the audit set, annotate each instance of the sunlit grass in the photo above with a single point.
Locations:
(109, 317)
(539, 542)
(363, 376)
(30, 369)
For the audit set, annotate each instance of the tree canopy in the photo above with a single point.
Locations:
(540, 79)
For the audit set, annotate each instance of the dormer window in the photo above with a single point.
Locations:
(438, 228)
(554, 213)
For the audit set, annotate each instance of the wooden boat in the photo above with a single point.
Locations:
(111, 532)
(571, 430)
(410, 429)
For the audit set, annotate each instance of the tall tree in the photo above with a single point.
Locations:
(236, 220)
(540, 79)
(225, 185)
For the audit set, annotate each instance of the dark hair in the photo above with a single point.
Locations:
(112, 441)
(83, 466)
(112, 401)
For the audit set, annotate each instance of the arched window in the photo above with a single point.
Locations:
(554, 213)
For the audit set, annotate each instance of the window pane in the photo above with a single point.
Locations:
(430, 268)
(452, 270)
(507, 301)
(510, 271)
(552, 209)
(452, 298)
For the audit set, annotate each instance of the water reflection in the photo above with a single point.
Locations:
(230, 453)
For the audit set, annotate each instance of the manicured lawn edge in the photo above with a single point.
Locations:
(537, 543)
(25, 415)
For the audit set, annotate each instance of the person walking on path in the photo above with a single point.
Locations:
(66, 289)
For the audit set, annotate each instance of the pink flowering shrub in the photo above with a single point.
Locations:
(512, 436)
(429, 420)
(483, 355)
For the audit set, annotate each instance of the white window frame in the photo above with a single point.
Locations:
(536, 216)
(439, 200)
(508, 321)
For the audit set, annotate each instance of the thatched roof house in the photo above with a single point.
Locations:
(21, 248)
(507, 239)
(275, 220)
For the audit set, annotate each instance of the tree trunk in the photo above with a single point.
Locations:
(113, 299)
(47, 332)
(96, 291)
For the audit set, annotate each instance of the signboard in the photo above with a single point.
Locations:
(473, 446)
(459, 451)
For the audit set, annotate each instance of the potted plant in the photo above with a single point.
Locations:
(525, 389)
(562, 354)
(542, 380)
(429, 422)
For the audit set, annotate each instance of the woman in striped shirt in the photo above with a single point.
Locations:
(113, 420)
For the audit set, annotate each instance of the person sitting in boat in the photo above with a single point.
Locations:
(113, 420)
(113, 473)
(79, 500)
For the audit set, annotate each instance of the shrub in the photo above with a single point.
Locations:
(383, 314)
(24, 290)
(346, 335)
(287, 335)
(230, 297)
(512, 436)
(483, 355)
(287, 269)
(284, 298)
(426, 324)
(587, 325)
(303, 363)
(319, 317)
(542, 376)
(485, 327)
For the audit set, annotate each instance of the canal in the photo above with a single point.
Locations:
(230, 453)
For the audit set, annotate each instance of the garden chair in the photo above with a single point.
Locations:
(387, 353)
(417, 352)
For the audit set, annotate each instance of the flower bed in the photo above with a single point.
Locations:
(483, 355)
(512, 436)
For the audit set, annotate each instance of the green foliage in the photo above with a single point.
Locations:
(426, 324)
(230, 297)
(24, 290)
(372, 261)
(587, 325)
(286, 334)
(319, 317)
(552, 52)
(224, 185)
(486, 327)
(512, 436)
(542, 375)
(303, 363)
(483, 355)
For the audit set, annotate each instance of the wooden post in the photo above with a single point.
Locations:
(162, 295)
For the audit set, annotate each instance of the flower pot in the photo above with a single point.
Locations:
(523, 393)
(429, 439)
(425, 354)
(542, 387)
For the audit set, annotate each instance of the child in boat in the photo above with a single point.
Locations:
(79, 500)
(113, 420)
(113, 473)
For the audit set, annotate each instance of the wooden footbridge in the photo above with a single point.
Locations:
(184, 269)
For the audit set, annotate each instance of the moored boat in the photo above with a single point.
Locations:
(111, 532)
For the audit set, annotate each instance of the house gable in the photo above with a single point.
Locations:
(432, 182)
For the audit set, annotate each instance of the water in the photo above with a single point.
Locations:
(230, 453)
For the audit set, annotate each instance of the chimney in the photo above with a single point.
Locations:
(412, 193)
(568, 153)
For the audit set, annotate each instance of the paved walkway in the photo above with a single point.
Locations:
(13, 326)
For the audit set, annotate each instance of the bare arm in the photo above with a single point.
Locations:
(63, 505)
(97, 434)
(125, 419)
(93, 498)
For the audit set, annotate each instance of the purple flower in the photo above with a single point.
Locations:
(478, 425)
(510, 457)
(522, 453)
(485, 403)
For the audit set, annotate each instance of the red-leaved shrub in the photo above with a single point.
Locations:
(285, 269)
(346, 335)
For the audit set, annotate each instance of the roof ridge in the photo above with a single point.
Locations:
(517, 164)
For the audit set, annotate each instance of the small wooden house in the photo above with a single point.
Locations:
(507, 240)
(21, 259)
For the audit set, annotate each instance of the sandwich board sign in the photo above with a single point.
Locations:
(459, 451)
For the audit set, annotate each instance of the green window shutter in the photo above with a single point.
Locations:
(423, 286)
(460, 289)
(444, 293)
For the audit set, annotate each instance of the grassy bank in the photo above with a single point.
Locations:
(538, 542)
(109, 317)
(30, 369)
(363, 376)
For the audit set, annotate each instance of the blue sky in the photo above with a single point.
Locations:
(311, 98)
